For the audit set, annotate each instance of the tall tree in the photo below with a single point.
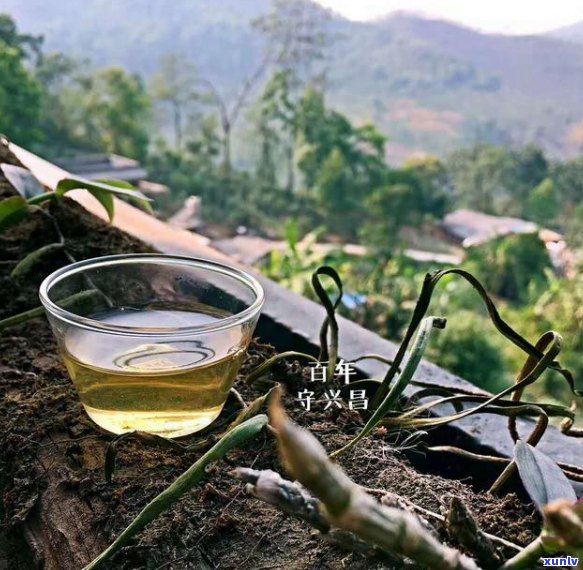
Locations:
(478, 175)
(574, 227)
(295, 37)
(60, 116)
(496, 179)
(388, 209)
(176, 85)
(321, 130)
(298, 31)
(277, 129)
(434, 182)
(530, 169)
(29, 46)
(568, 179)
(542, 204)
(117, 111)
(341, 164)
(298, 38)
(511, 267)
(20, 92)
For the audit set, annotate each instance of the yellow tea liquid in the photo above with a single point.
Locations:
(169, 388)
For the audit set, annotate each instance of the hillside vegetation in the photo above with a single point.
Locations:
(431, 85)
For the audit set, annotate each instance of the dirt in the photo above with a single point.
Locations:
(50, 453)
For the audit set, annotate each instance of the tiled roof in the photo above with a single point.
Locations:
(473, 228)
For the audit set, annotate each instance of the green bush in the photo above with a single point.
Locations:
(512, 267)
(467, 348)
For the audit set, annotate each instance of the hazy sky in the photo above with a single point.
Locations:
(507, 16)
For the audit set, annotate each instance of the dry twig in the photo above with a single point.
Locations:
(349, 508)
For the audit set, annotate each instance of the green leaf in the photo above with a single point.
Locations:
(542, 478)
(266, 366)
(252, 409)
(22, 180)
(99, 188)
(106, 200)
(12, 210)
(27, 263)
(21, 317)
(118, 187)
(291, 233)
(70, 301)
(136, 195)
(402, 381)
(233, 438)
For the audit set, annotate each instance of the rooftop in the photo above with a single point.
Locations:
(93, 166)
(475, 228)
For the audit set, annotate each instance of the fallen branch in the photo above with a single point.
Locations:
(526, 558)
(349, 508)
(294, 500)
(433, 515)
(462, 526)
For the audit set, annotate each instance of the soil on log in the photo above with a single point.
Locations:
(56, 509)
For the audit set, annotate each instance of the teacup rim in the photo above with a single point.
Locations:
(88, 323)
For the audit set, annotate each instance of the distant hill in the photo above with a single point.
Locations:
(430, 85)
(136, 33)
(572, 33)
(433, 84)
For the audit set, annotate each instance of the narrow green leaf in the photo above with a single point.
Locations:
(136, 195)
(12, 210)
(542, 478)
(22, 180)
(101, 188)
(118, 187)
(117, 184)
(253, 408)
(40, 198)
(328, 350)
(24, 266)
(233, 438)
(22, 317)
(106, 200)
(429, 284)
(291, 233)
(266, 366)
(66, 303)
(401, 382)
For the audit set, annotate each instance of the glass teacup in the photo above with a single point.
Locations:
(152, 342)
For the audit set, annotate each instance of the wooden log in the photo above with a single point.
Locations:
(61, 530)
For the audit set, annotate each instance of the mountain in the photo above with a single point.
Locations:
(430, 85)
(135, 34)
(573, 33)
(434, 84)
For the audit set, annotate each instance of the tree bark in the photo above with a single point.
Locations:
(61, 529)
